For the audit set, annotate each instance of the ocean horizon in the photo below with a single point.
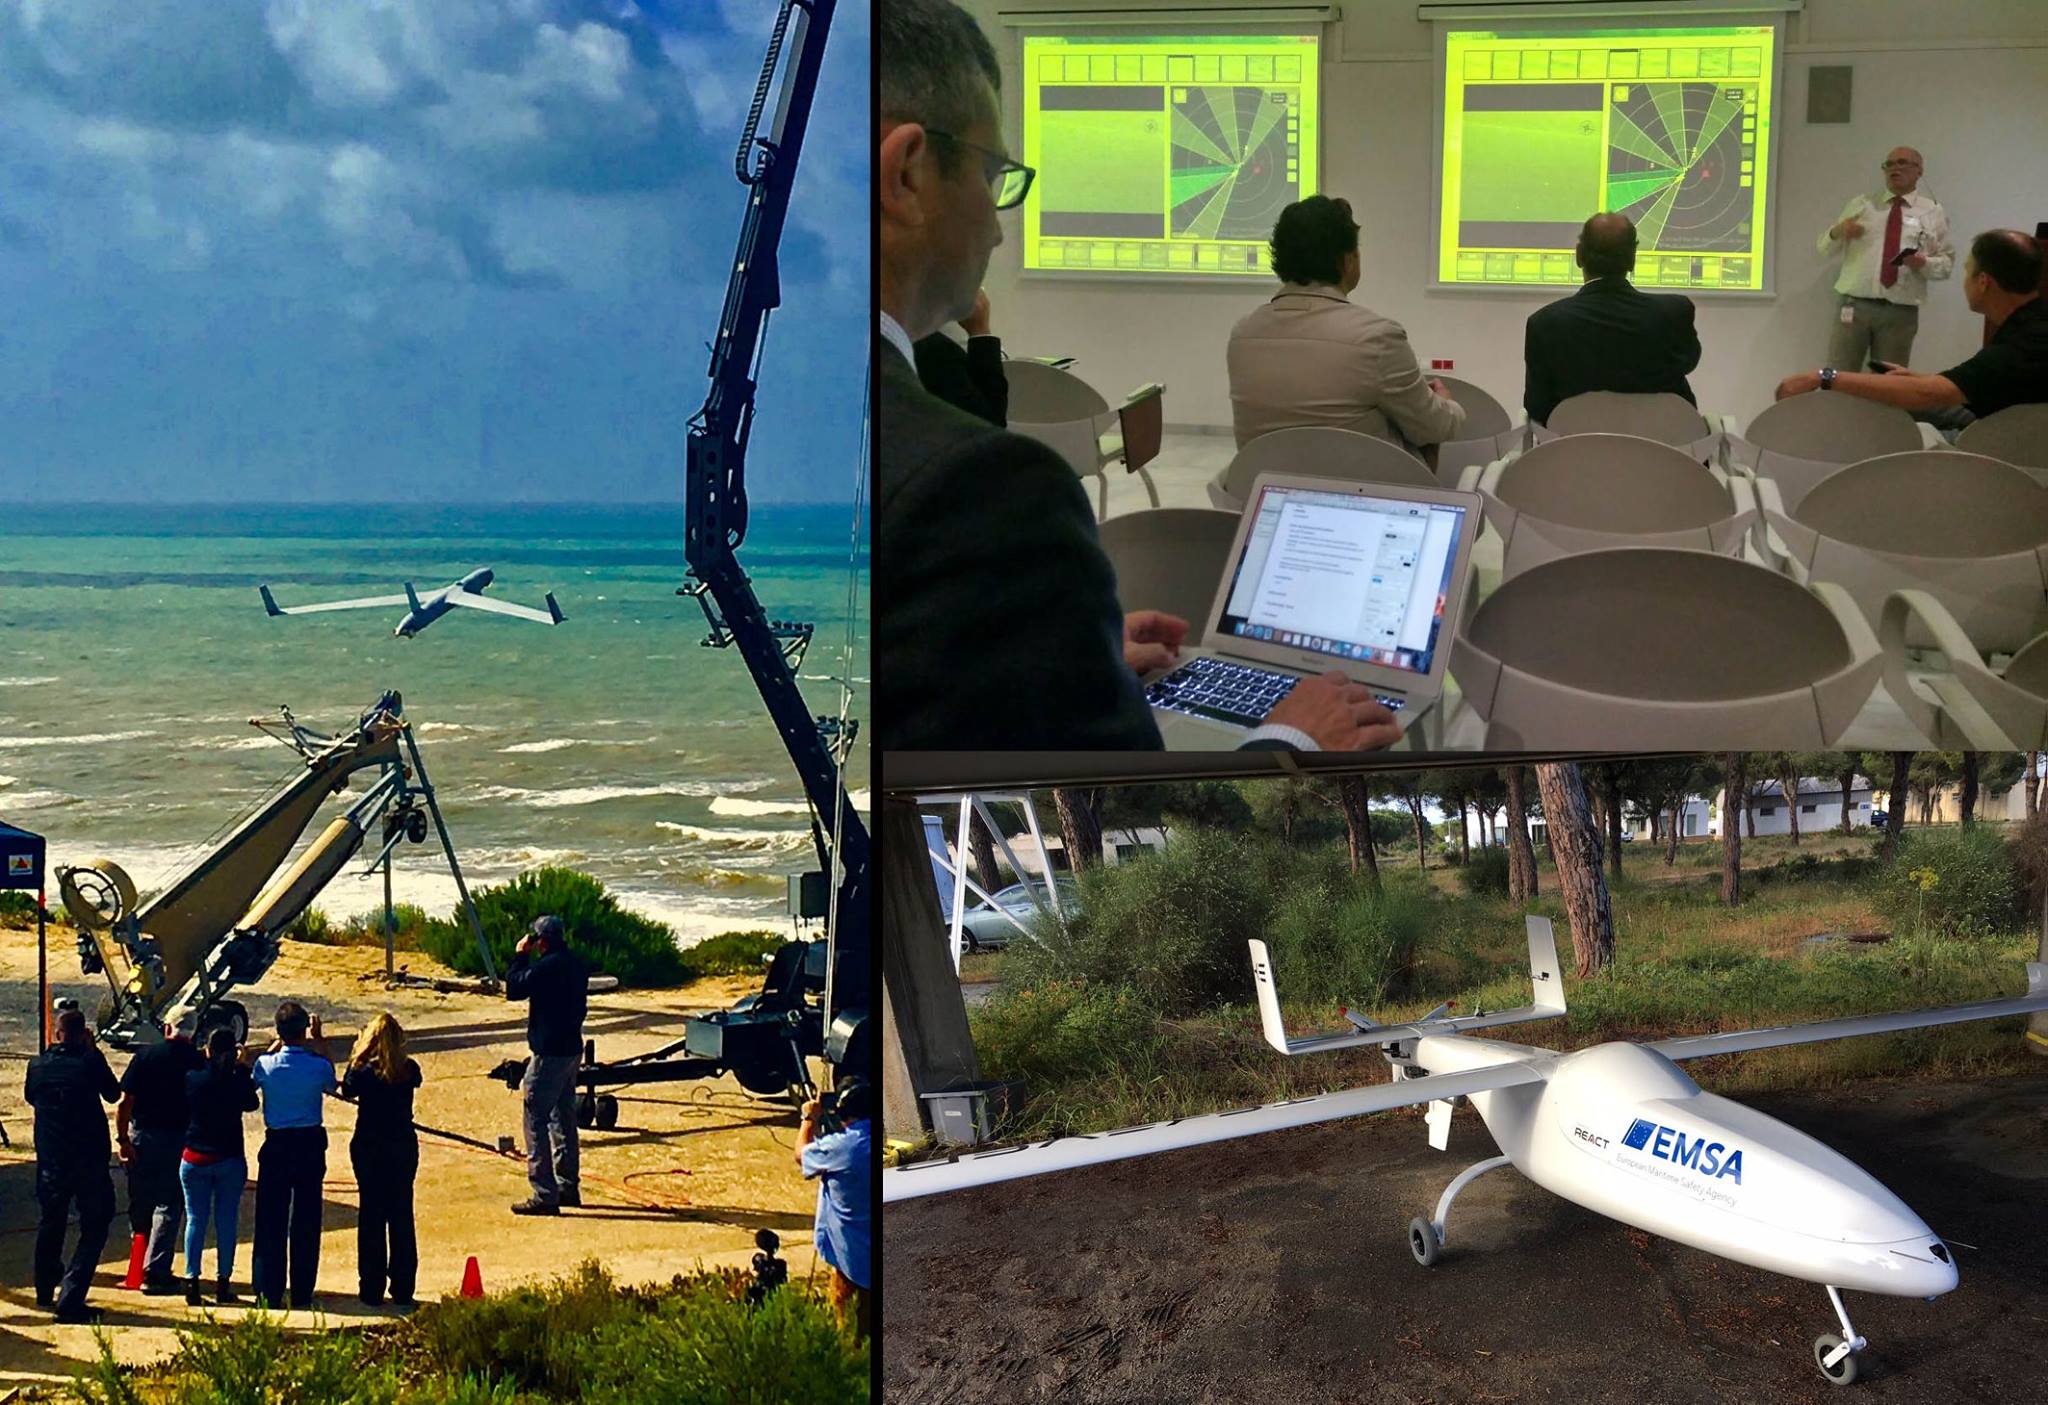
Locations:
(134, 649)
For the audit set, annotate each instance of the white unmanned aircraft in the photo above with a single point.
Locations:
(1618, 1128)
(421, 613)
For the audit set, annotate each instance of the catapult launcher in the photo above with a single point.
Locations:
(216, 925)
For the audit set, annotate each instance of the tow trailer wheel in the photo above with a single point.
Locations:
(586, 1109)
(607, 1112)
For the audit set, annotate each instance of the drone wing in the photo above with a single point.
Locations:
(1700, 1046)
(1092, 1148)
(551, 615)
(365, 603)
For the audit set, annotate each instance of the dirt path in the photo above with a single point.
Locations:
(1276, 1268)
(691, 1171)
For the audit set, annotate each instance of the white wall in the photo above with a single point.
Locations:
(1966, 81)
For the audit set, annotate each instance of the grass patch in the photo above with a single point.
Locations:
(581, 1339)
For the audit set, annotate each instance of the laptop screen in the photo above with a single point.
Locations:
(1356, 577)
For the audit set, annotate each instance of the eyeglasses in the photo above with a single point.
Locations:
(1902, 165)
(1008, 181)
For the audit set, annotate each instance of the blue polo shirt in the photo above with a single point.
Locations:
(845, 1166)
(292, 1080)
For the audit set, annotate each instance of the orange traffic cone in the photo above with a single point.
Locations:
(472, 1279)
(135, 1251)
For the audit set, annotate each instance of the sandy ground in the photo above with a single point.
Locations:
(1276, 1268)
(691, 1171)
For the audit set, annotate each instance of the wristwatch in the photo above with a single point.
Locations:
(1827, 378)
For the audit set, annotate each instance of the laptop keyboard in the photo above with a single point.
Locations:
(1226, 691)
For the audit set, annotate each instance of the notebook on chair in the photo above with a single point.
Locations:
(1364, 578)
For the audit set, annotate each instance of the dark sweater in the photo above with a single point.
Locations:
(66, 1086)
(217, 1099)
(556, 989)
(383, 1110)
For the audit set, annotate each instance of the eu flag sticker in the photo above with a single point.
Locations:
(1639, 1134)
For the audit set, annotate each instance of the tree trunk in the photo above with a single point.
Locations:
(1792, 794)
(1731, 834)
(1415, 810)
(1575, 847)
(1354, 798)
(2033, 795)
(1848, 793)
(1612, 777)
(1080, 829)
(1671, 832)
(1464, 838)
(1748, 816)
(1969, 798)
(1895, 814)
(983, 849)
(1520, 855)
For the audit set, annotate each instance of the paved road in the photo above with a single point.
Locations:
(1275, 1269)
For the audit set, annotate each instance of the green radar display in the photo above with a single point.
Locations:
(1165, 156)
(1670, 127)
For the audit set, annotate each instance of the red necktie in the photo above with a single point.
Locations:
(1889, 274)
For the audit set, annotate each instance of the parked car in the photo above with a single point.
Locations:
(983, 927)
(1878, 818)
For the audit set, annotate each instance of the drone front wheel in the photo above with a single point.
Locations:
(1424, 1242)
(1843, 1371)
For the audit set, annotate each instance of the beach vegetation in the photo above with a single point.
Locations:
(735, 953)
(583, 1338)
(616, 942)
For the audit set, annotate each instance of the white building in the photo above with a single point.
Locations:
(1820, 806)
(1696, 818)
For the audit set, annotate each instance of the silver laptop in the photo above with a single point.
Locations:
(1364, 578)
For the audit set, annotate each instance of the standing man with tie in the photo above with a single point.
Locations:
(1891, 244)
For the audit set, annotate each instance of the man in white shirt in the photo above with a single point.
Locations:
(1891, 245)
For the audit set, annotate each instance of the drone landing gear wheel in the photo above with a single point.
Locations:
(1424, 1242)
(1843, 1372)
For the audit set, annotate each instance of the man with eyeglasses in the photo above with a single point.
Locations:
(1891, 244)
(997, 623)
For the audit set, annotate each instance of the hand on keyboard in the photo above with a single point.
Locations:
(1339, 714)
(1152, 640)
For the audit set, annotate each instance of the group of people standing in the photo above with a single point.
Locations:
(179, 1113)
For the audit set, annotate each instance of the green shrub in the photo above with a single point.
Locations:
(1061, 1030)
(614, 941)
(1172, 925)
(735, 953)
(311, 926)
(1951, 883)
(1486, 876)
(18, 908)
(1348, 943)
(409, 920)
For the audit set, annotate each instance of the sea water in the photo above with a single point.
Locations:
(134, 649)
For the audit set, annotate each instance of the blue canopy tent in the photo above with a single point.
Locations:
(21, 866)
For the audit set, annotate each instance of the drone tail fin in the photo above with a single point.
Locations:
(554, 609)
(1546, 982)
(269, 605)
(412, 597)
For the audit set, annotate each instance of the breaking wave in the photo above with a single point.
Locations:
(89, 739)
(756, 839)
(731, 805)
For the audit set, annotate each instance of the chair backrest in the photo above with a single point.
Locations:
(1665, 417)
(1041, 394)
(1971, 531)
(1833, 429)
(1321, 452)
(1484, 415)
(1650, 647)
(2018, 435)
(1142, 423)
(1170, 558)
(1613, 483)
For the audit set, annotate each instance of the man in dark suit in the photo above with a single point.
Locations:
(997, 623)
(1609, 335)
(971, 376)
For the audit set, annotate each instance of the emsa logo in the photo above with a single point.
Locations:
(1698, 1154)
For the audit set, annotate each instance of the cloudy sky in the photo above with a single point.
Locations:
(267, 250)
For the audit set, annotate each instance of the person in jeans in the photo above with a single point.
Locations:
(212, 1169)
(65, 1085)
(150, 1122)
(385, 1151)
(843, 1164)
(294, 1074)
(554, 982)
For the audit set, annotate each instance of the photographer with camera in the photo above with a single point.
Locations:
(66, 1084)
(836, 1148)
